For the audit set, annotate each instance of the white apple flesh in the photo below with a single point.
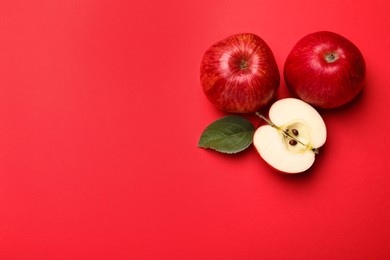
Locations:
(292, 137)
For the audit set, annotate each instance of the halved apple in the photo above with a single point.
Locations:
(292, 137)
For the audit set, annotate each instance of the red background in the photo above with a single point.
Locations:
(101, 110)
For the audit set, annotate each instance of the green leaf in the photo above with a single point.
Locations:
(229, 134)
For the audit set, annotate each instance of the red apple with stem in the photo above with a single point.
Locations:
(325, 69)
(239, 74)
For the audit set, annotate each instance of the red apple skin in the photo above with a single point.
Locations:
(239, 74)
(325, 69)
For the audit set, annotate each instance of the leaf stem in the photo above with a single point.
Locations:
(286, 133)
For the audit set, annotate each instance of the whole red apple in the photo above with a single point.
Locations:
(239, 74)
(325, 69)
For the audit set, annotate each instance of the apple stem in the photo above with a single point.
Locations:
(331, 57)
(243, 64)
(286, 133)
(266, 119)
